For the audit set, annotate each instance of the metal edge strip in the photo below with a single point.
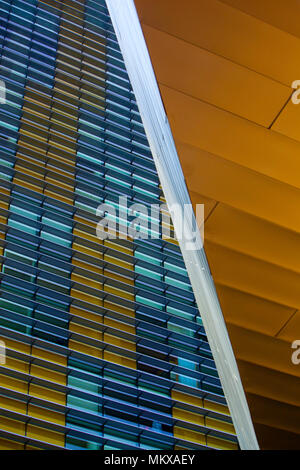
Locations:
(138, 63)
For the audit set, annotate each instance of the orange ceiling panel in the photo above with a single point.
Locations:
(215, 79)
(228, 32)
(280, 13)
(225, 69)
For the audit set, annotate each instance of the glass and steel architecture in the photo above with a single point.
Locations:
(105, 347)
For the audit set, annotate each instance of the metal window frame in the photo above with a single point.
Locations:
(138, 63)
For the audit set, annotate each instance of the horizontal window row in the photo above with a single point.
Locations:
(156, 256)
(86, 183)
(86, 364)
(66, 193)
(150, 346)
(110, 351)
(51, 10)
(91, 395)
(36, 155)
(65, 70)
(47, 18)
(84, 135)
(143, 273)
(43, 98)
(147, 290)
(110, 255)
(178, 312)
(46, 52)
(56, 11)
(164, 347)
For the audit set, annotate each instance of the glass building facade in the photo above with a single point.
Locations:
(105, 348)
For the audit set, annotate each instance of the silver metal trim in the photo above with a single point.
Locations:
(133, 46)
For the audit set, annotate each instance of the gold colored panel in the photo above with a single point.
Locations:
(45, 435)
(122, 343)
(47, 415)
(47, 394)
(116, 359)
(188, 435)
(85, 349)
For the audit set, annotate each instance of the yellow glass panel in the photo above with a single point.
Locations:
(86, 314)
(119, 308)
(68, 134)
(218, 407)
(15, 364)
(12, 425)
(59, 197)
(47, 415)
(221, 443)
(117, 277)
(27, 171)
(40, 124)
(61, 144)
(45, 435)
(86, 281)
(87, 266)
(40, 111)
(119, 325)
(119, 292)
(25, 184)
(3, 204)
(34, 145)
(60, 120)
(34, 134)
(91, 101)
(116, 359)
(58, 182)
(85, 349)
(86, 235)
(94, 37)
(17, 346)
(220, 425)
(5, 444)
(91, 223)
(118, 247)
(86, 297)
(88, 251)
(83, 330)
(174, 242)
(53, 153)
(189, 435)
(184, 398)
(122, 343)
(118, 262)
(4, 191)
(47, 394)
(188, 416)
(49, 356)
(13, 405)
(13, 384)
(38, 98)
(47, 374)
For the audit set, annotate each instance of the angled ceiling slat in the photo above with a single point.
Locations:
(225, 69)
